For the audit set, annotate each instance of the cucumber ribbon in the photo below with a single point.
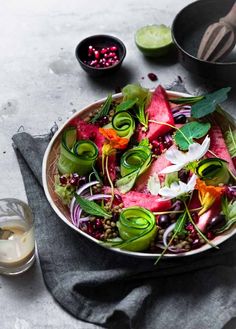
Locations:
(76, 156)
(137, 228)
(213, 171)
(133, 163)
(124, 124)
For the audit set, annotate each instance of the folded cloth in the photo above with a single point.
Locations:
(115, 291)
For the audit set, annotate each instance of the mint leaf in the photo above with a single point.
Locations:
(230, 140)
(91, 207)
(186, 100)
(209, 103)
(192, 130)
(126, 105)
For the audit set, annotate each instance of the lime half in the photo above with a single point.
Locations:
(154, 40)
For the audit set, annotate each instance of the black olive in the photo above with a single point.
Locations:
(216, 222)
(181, 118)
(164, 221)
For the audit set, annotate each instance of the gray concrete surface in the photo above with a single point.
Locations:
(41, 83)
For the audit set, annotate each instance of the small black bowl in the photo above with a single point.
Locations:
(98, 42)
(187, 30)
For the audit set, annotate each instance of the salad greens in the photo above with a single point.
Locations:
(142, 96)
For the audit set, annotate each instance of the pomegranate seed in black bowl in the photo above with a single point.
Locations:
(100, 54)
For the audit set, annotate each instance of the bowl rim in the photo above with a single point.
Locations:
(173, 33)
(84, 110)
(101, 69)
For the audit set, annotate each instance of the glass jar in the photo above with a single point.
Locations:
(17, 243)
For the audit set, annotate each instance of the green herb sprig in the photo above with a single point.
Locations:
(92, 208)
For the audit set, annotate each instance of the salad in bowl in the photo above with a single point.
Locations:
(147, 173)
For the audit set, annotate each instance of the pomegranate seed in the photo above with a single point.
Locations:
(97, 235)
(195, 217)
(161, 146)
(152, 76)
(155, 143)
(189, 227)
(111, 55)
(103, 51)
(90, 51)
(210, 235)
(73, 182)
(113, 48)
(98, 223)
(156, 150)
(117, 199)
(97, 54)
(63, 180)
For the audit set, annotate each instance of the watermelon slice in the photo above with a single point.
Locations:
(159, 164)
(218, 146)
(148, 201)
(158, 110)
(88, 131)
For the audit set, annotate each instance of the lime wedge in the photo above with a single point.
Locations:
(154, 40)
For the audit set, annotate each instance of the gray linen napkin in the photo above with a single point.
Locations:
(115, 291)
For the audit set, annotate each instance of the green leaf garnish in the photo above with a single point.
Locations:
(91, 207)
(126, 105)
(104, 109)
(192, 130)
(209, 104)
(229, 210)
(230, 140)
(186, 100)
(126, 183)
(141, 96)
(180, 224)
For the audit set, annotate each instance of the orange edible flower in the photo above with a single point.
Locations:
(207, 194)
(115, 141)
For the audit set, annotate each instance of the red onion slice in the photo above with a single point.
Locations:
(79, 192)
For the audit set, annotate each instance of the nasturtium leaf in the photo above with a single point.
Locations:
(192, 130)
(209, 104)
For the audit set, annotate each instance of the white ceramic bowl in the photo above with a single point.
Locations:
(49, 170)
